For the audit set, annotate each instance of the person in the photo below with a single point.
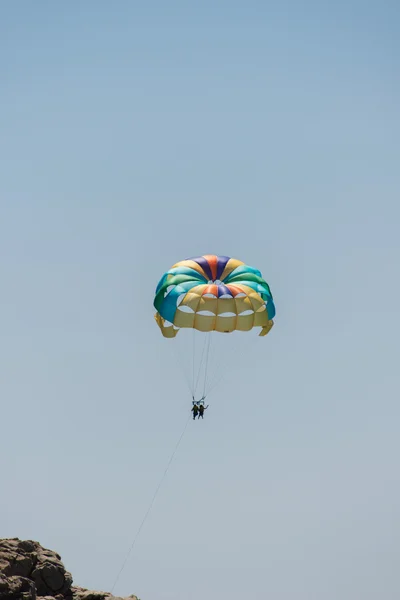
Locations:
(202, 408)
(195, 410)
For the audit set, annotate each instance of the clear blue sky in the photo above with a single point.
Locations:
(134, 135)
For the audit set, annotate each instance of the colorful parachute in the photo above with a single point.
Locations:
(213, 293)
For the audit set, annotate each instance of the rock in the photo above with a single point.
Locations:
(30, 572)
(17, 588)
(83, 594)
(44, 567)
(51, 578)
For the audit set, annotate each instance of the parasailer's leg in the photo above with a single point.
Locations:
(195, 409)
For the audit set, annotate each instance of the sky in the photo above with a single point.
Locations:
(134, 135)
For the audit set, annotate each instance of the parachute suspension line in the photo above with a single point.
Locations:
(206, 366)
(201, 363)
(220, 372)
(151, 504)
(193, 365)
(215, 376)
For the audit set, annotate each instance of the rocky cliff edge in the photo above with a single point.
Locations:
(30, 572)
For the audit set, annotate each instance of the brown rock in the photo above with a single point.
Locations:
(51, 578)
(84, 594)
(30, 572)
(17, 588)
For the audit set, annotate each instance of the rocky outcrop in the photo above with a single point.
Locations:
(83, 594)
(30, 572)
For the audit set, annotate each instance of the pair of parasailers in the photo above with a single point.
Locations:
(198, 409)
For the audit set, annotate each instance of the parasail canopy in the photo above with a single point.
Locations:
(213, 293)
